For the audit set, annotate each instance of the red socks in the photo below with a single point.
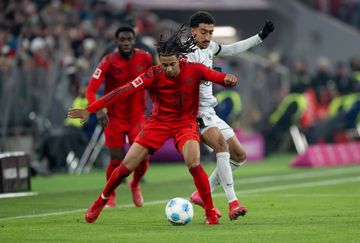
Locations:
(201, 181)
(116, 178)
(111, 167)
(139, 173)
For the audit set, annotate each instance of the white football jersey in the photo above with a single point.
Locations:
(205, 56)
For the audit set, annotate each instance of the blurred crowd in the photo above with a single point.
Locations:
(48, 42)
(324, 105)
(347, 11)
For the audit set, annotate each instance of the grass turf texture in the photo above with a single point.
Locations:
(285, 205)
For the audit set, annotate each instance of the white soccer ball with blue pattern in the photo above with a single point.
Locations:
(179, 211)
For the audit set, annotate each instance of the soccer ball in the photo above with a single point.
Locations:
(179, 211)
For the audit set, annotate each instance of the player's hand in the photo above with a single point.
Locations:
(83, 114)
(267, 29)
(102, 118)
(230, 80)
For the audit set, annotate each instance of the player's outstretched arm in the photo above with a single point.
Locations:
(224, 79)
(243, 45)
(82, 114)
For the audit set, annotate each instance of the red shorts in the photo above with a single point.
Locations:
(117, 130)
(155, 133)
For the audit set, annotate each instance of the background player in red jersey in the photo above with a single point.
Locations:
(125, 117)
(174, 89)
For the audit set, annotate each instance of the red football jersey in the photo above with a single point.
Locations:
(174, 99)
(116, 72)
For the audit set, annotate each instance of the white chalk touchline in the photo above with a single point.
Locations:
(308, 174)
(251, 191)
(17, 194)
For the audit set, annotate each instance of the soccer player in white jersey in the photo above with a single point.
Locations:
(215, 132)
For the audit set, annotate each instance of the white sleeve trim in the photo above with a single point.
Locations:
(240, 46)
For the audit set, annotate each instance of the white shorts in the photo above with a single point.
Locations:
(210, 119)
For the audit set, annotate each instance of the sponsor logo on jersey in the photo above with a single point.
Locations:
(137, 82)
(97, 73)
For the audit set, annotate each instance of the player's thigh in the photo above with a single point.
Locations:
(134, 156)
(237, 152)
(213, 130)
(214, 139)
(187, 138)
(191, 153)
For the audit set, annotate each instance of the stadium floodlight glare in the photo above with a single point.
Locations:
(224, 31)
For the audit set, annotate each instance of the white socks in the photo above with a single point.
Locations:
(223, 175)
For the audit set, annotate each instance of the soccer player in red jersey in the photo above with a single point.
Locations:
(128, 116)
(174, 89)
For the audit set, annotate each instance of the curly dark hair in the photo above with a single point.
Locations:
(174, 46)
(201, 17)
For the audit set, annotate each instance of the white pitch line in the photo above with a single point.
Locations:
(308, 174)
(251, 191)
(75, 211)
(18, 194)
(303, 185)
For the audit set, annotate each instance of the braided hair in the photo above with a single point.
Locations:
(174, 46)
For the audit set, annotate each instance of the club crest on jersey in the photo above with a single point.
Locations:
(137, 82)
(97, 73)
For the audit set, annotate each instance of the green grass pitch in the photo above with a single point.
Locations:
(285, 205)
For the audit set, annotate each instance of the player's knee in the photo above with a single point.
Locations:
(221, 146)
(239, 156)
(217, 142)
(192, 160)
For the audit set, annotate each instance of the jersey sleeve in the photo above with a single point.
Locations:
(97, 79)
(149, 60)
(238, 47)
(214, 47)
(211, 75)
(139, 83)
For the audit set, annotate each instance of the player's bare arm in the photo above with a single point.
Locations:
(82, 114)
